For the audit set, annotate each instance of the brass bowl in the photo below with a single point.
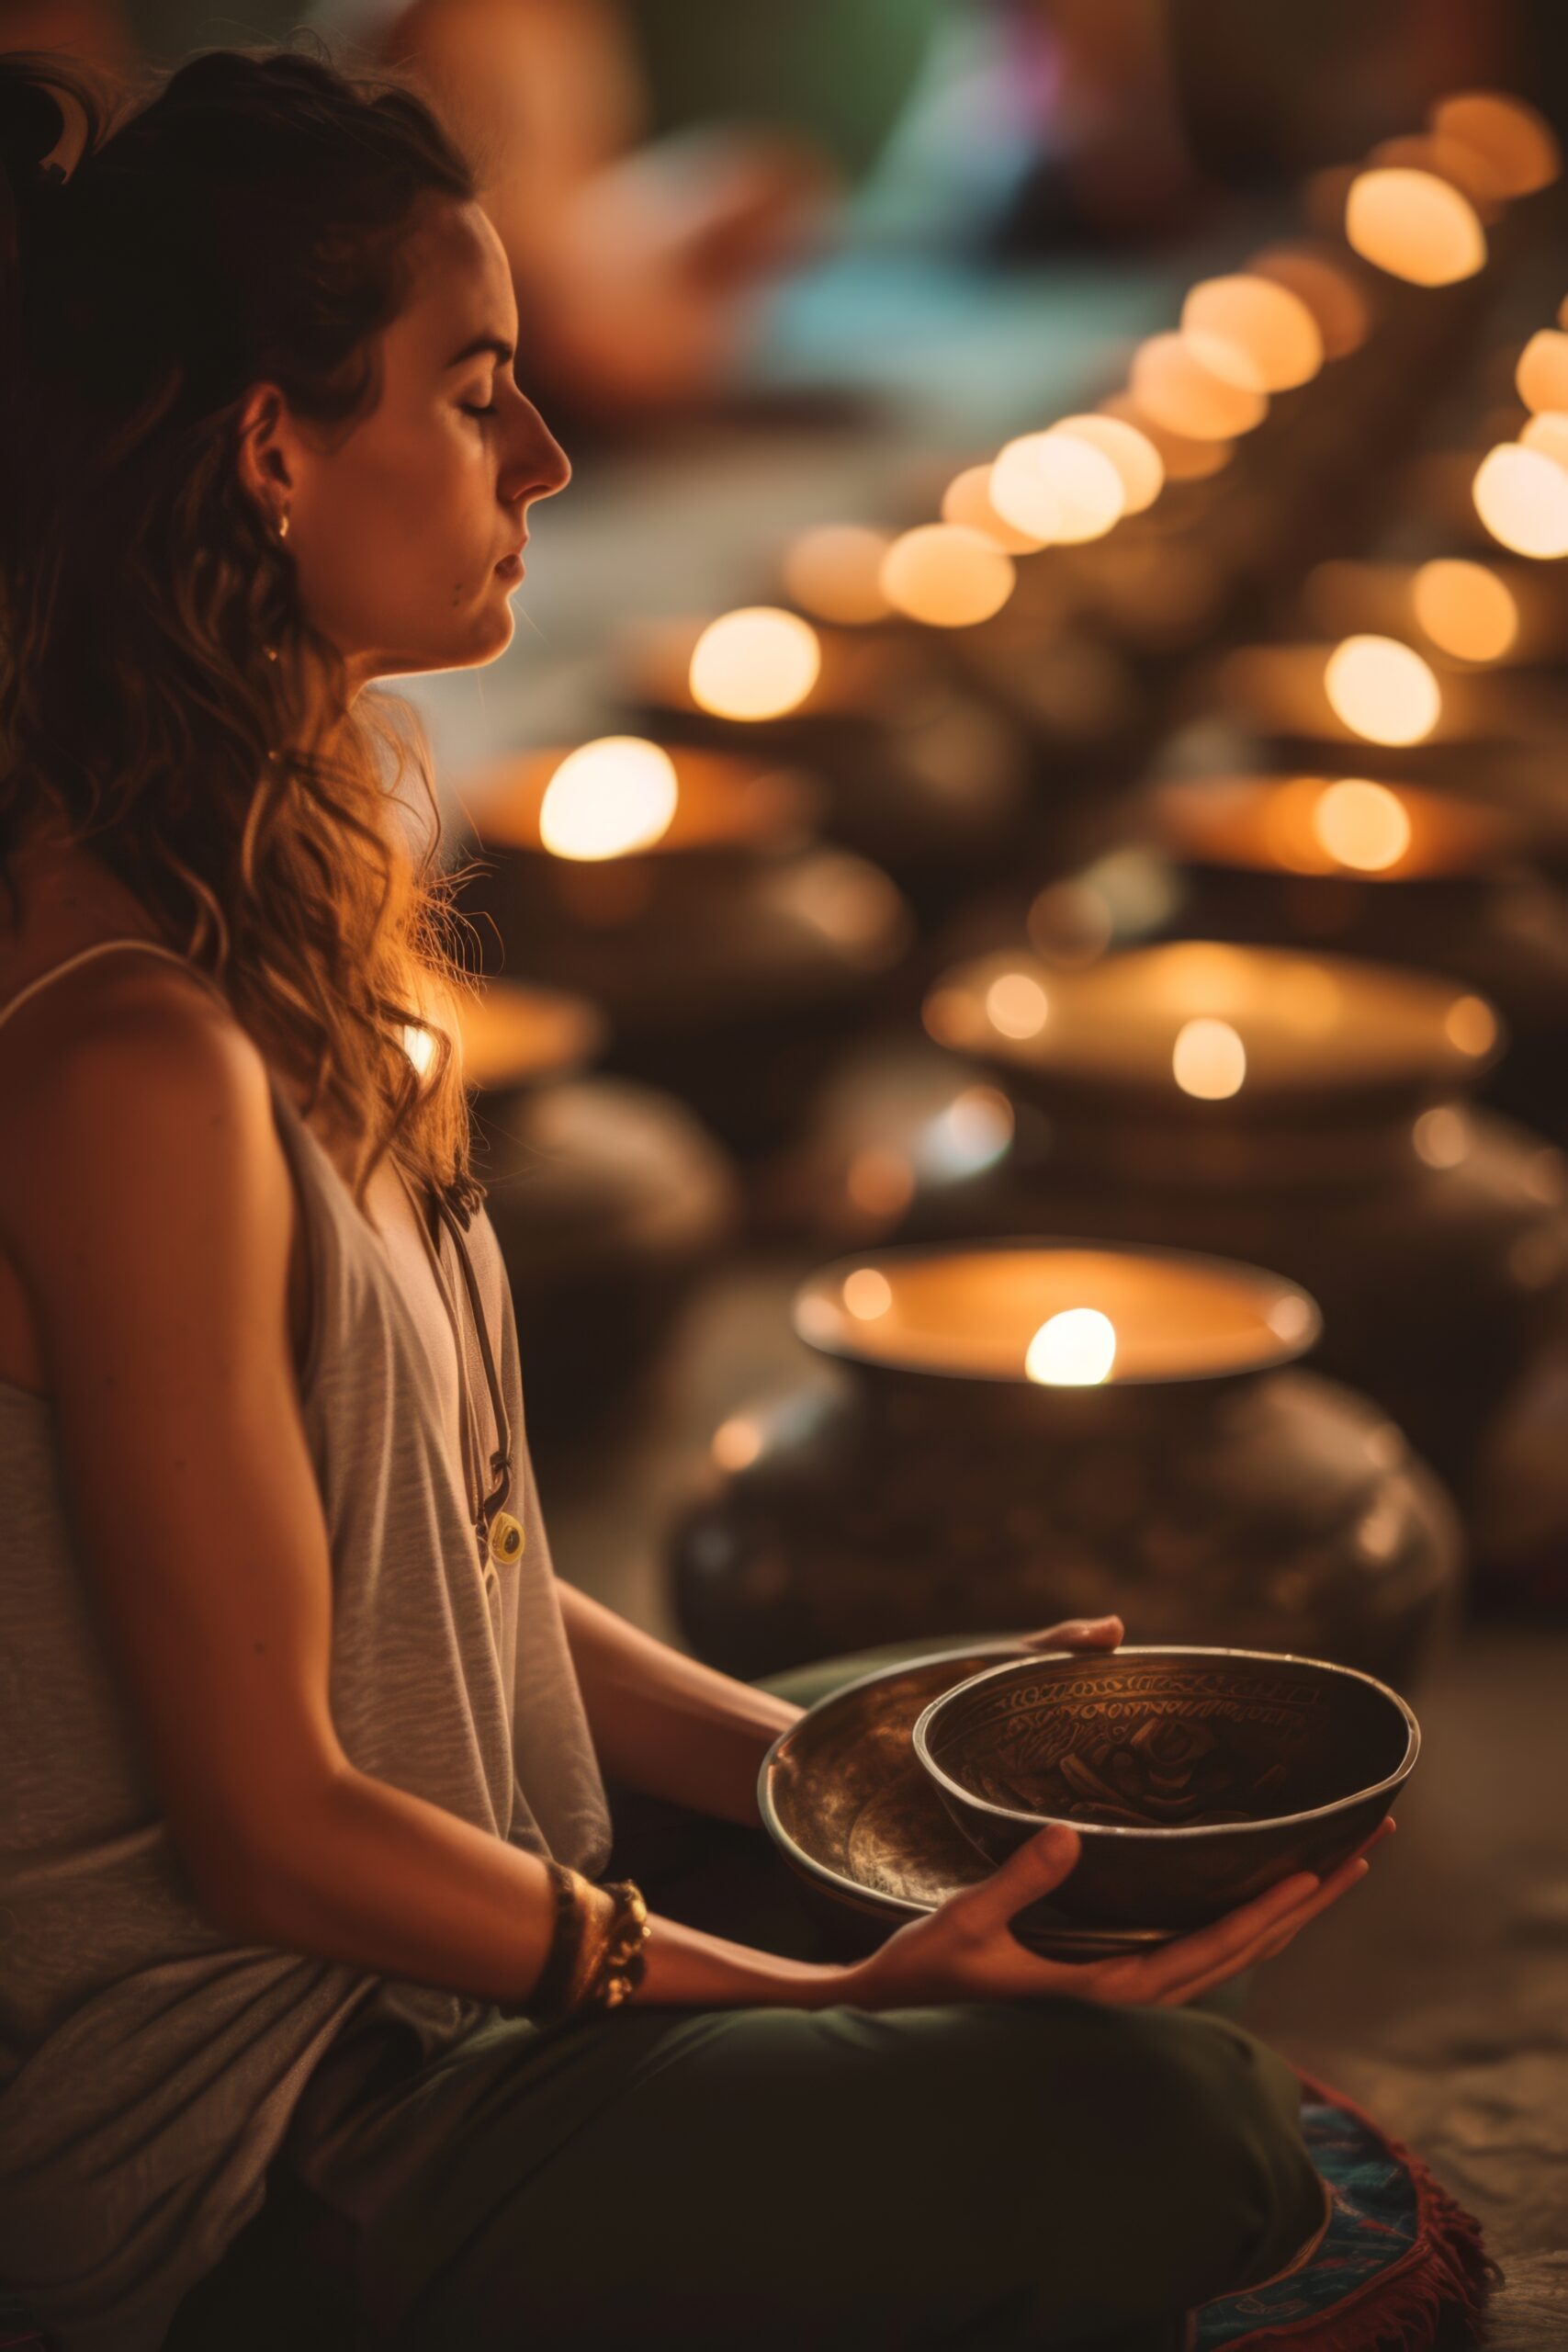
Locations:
(1196, 1779)
(861, 1826)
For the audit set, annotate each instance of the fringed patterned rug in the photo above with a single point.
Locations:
(1397, 2262)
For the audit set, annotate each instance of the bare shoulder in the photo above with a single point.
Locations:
(119, 1081)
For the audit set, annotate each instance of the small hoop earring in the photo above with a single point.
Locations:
(283, 524)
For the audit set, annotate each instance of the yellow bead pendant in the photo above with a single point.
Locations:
(506, 1540)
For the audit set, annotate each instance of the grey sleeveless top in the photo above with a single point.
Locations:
(149, 2063)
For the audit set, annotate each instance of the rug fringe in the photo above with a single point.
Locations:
(1447, 2268)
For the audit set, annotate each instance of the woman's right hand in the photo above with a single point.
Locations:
(964, 1950)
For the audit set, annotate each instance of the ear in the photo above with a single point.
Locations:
(267, 446)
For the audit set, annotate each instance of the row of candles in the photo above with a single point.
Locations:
(1325, 1058)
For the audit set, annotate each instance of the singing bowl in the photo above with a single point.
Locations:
(1196, 1779)
(861, 1826)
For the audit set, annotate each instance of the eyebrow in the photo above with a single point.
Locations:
(481, 343)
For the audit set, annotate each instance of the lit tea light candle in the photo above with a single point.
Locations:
(755, 663)
(509, 1036)
(1222, 1022)
(835, 573)
(1073, 1349)
(1414, 226)
(1208, 1060)
(1020, 1313)
(1317, 825)
(1383, 690)
(609, 798)
(624, 796)
(946, 576)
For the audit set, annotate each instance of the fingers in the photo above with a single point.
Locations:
(1078, 1633)
(1040, 1865)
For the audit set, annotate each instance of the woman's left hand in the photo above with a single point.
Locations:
(1077, 1634)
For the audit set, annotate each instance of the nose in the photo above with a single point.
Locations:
(540, 466)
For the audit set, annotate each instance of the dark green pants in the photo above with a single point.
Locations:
(992, 2176)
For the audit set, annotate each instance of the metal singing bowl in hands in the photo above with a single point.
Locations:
(1196, 1779)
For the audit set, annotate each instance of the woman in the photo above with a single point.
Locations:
(307, 2022)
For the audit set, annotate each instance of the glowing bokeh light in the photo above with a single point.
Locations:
(1548, 432)
(1414, 226)
(835, 572)
(867, 1294)
(1472, 1025)
(1076, 1349)
(1056, 486)
(967, 501)
(737, 1443)
(1521, 495)
(1318, 278)
(1171, 380)
(1362, 825)
(1254, 331)
(1017, 1005)
(1181, 458)
(608, 798)
(755, 663)
(1132, 452)
(947, 576)
(1465, 609)
(1541, 377)
(1383, 690)
(1208, 1060)
(1517, 143)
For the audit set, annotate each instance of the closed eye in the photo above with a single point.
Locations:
(469, 409)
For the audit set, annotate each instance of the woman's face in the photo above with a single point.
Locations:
(398, 527)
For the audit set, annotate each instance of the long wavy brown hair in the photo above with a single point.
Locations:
(243, 217)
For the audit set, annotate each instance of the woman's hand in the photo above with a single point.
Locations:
(1077, 1634)
(966, 1951)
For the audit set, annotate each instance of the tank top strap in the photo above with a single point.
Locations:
(102, 947)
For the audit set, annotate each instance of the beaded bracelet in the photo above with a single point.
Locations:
(595, 1959)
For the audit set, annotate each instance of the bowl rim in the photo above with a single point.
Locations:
(1269, 1821)
(794, 1853)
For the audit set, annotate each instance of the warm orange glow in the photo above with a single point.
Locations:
(834, 572)
(1017, 1005)
(967, 500)
(1253, 332)
(1541, 377)
(880, 1183)
(1181, 458)
(1209, 1061)
(1517, 143)
(1441, 1137)
(1413, 225)
(1076, 1349)
(755, 663)
(1362, 825)
(1472, 1025)
(737, 1443)
(608, 798)
(1445, 159)
(1316, 275)
(1056, 486)
(867, 1294)
(1383, 690)
(1548, 432)
(1131, 453)
(947, 576)
(1521, 495)
(1465, 609)
(1171, 380)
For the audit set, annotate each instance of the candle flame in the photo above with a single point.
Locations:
(1362, 825)
(758, 662)
(608, 797)
(1076, 1349)
(1208, 1060)
(1383, 690)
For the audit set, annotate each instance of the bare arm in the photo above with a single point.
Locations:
(157, 1272)
(664, 1723)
